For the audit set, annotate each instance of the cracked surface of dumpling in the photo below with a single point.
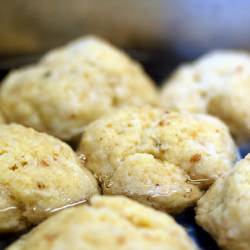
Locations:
(224, 210)
(109, 223)
(161, 159)
(39, 175)
(217, 83)
(72, 86)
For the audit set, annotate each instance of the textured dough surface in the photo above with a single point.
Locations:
(224, 210)
(72, 86)
(161, 159)
(109, 223)
(217, 83)
(39, 175)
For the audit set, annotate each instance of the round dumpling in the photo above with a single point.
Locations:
(161, 159)
(217, 83)
(108, 223)
(74, 85)
(39, 175)
(224, 210)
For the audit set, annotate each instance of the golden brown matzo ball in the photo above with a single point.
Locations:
(109, 223)
(217, 83)
(162, 159)
(39, 175)
(1, 118)
(74, 85)
(224, 210)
